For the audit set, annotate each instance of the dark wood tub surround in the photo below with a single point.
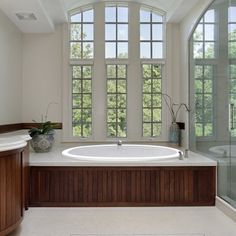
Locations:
(13, 188)
(122, 186)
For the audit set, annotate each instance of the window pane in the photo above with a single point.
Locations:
(157, 50)
(88, 31)
(75, 50)
(76, 101)
(110, 14)
(122, 31)
(198, 50)
(209, 16)
(110, 32)
(209, 32)
(209, 50)
(147, 86)
(232, 14)
(122, 50)
(156, 129)
(121, 71)
(232, 31)
(147, 100)
(145, 50)
(88, 16)
(76, 86)
(145, 16)
(76, 18)
(147, 130)
(110, 50)
(76, 72)
(145, 32)
(157, 18)
(157, 33)
(121, 86)
(75, 32)
(122, 14)
(157, 115)
(87, 72)
(147, 71)
(111, 86)
(87, 50)
(232, 49)
(111, 71)
(198, 33)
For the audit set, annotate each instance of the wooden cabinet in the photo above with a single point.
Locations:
(13, 182)
(122, 186)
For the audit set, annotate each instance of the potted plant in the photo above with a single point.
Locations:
(42, 134)
(42, 137)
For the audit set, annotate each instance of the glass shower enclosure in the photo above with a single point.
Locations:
(212, 50)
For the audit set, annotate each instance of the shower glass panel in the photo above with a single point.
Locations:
(213, 92)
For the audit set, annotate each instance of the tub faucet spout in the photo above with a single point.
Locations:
(119, 142)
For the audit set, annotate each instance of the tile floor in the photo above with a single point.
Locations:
(180, 221)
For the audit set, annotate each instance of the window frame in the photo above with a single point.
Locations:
(133, 134)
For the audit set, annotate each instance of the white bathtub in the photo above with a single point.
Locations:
(125, 153)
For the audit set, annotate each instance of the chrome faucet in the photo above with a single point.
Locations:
(181, 155)
(119, 142)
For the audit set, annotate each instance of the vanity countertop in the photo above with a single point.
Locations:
(11, 141)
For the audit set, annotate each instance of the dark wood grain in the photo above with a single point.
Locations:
(12, 199)
(122, 186)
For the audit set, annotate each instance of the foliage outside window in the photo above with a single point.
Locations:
(116, 100)
(204, 51)
(83, 64)
(232, 32)
(152, 100)
(204, 45)
(203, 100)
(81, 37)
(82, 100)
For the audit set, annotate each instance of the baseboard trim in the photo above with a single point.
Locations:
(226, 208)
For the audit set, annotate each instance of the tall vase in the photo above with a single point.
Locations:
(174, 133)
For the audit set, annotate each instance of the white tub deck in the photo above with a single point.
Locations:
(55, 158)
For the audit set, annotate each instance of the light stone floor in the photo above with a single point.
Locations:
(180, 221)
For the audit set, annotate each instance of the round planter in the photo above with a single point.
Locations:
(42, 142)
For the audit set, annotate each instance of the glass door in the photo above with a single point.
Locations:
(232, 92)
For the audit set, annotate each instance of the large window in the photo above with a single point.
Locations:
(152, 100)
(116, 66)
(151, 34)
(116, 100)
(204, 53)
(116, 32)
(203, 100)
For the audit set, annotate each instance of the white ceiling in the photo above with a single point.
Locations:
(52, 12)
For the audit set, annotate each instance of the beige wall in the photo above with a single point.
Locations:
(42, 75)
(10, 72)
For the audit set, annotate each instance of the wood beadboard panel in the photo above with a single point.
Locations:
(11, 191)
(14, 127)
(122, 186)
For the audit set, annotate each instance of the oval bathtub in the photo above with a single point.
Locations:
(124, 153)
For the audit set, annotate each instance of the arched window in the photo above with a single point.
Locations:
(116, 70)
